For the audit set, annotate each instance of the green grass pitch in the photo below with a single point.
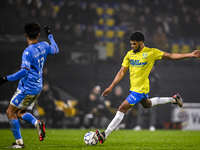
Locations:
(58, 139)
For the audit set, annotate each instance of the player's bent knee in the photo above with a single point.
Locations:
(147, 105)
(9, 113)
(123, 109)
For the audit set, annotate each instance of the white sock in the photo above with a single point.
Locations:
(19, 141)
(36, 122)
(114, 123)
(161, 100)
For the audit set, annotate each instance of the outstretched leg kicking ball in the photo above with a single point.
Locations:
(125, 106)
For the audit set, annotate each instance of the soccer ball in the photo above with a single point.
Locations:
(90, 138)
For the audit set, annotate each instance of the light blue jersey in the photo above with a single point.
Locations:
(33, 59)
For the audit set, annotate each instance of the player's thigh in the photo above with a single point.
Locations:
(23, 101)
(17, 98)
(146, 103)
(135, 97)
(11, 112)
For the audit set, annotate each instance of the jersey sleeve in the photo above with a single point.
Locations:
(26, 59)
(126, 60)
(18, 75)
(53, 48)
(158, 54)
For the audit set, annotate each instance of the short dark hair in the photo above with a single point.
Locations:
(32, 30)
(137, 36)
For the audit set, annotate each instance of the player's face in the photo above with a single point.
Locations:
(135, 45)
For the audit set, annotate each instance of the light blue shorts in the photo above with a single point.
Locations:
(23, 101)
(134, 97)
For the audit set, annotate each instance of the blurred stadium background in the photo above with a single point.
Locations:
(93, 38)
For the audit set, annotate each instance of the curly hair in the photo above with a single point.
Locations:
(137, 36)
(32, 30)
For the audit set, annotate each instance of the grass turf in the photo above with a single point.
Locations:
(57, 139)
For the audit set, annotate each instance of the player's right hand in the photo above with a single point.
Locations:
(47, 30)
(3, 80)
(107, 91)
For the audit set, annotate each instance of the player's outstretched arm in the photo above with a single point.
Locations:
(177, 56)
(13, 77)
(47, 31)
(118, 77)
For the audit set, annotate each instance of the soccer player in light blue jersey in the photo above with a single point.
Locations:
(30, 84)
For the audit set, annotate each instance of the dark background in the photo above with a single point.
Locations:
(78, 75)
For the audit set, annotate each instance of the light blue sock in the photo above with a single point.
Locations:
(29, 118)
(15, 128)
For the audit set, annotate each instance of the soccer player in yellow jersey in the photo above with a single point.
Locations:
(140, 61)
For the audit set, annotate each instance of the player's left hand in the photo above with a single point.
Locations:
(196, 53)
(3, 80)
(47, 30)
